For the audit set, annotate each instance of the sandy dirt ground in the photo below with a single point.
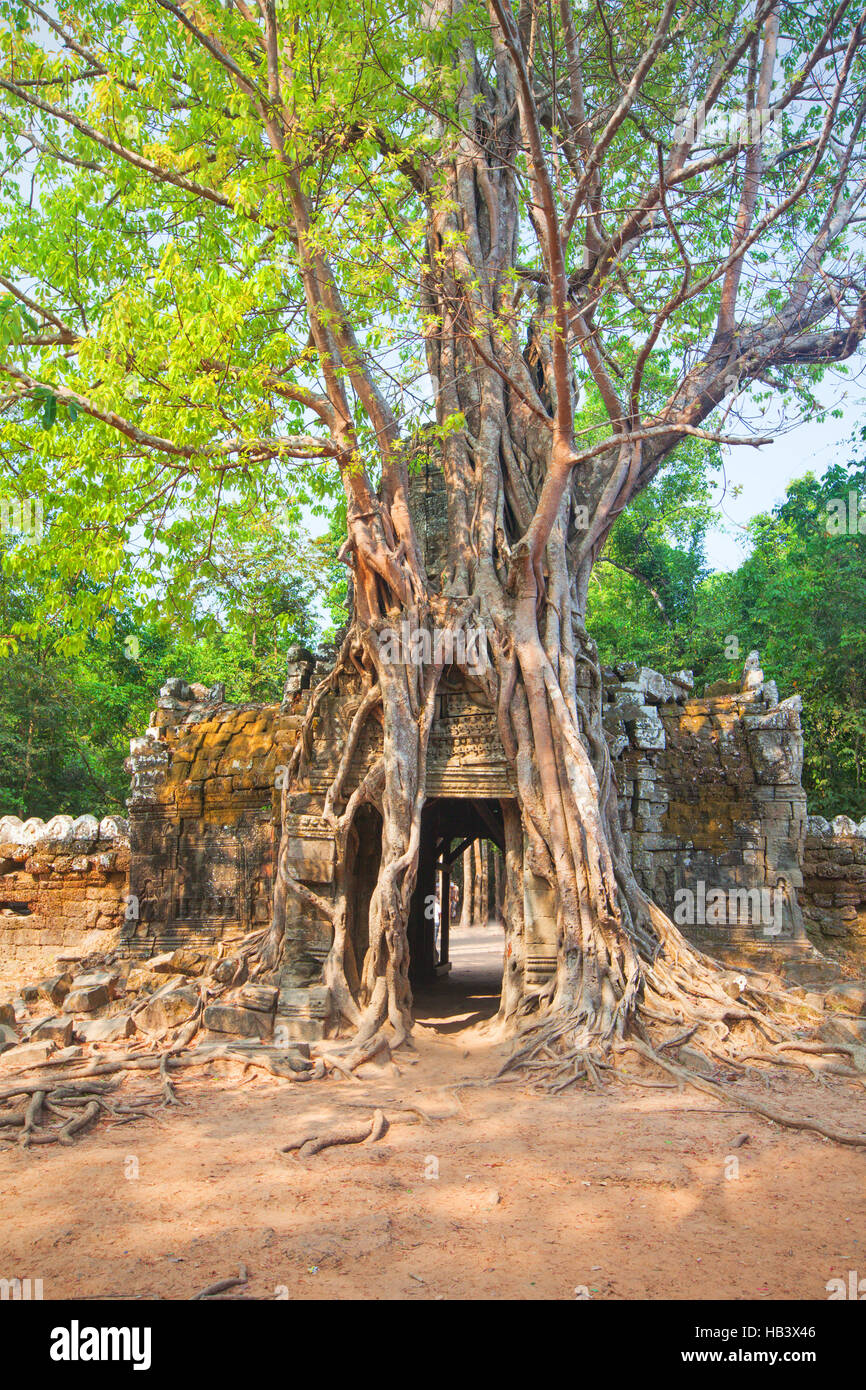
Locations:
(626, 1194)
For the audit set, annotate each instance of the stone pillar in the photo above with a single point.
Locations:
(477, 909)
(468, 886)
(443, 963)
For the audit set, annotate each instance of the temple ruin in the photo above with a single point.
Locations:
(710, 795)
(711, 804)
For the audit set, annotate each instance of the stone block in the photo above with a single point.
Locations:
(86, 1001)
(776, 754)
(646, 731)
(176, 689)
(656, 687)
(312, 860)
(311, 1002)
(186, 961)
(844, 825)
(26, 1055)
(169, 1009)
(627, 703)
(684, 679)
(224, 971)
(234, 1019)
(105, 1030)
(843, 1028)
(140, 979)
(162, 964)
(847, 998)
(56, 1030)
(107, 979)
(261, 997)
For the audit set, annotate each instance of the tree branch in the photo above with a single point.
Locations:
(296, 445)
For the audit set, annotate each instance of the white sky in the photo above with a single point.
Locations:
(762, 474)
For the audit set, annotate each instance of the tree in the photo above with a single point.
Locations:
(600, 222)
(799, 598)
(644, 596)
(68, 711)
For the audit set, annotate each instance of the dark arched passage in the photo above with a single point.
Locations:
(449, 825)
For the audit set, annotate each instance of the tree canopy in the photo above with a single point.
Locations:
(194, 197)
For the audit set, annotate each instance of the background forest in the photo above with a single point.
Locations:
(69, 706)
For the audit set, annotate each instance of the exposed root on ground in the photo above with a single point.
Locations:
(222, 1285)
(748, 1037)
(560, 1051)
(363, 1132)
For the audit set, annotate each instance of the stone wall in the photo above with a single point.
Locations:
(63, 889)
(833, 897)
(204, 816)
(711, 803)
(710, 793)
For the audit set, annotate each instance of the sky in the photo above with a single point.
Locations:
(762, 474)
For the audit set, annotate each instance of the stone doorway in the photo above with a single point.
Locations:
(457, 948)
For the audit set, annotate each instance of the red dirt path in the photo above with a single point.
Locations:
(625, 1194)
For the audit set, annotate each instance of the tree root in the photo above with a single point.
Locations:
(356, 1054)
(395, 1111)
(66, 1133)
(168, 1091)
(697, 1014)
(222, 1284)
(80, 1087)
(595, 1059)
(366, 1131)
(32, 1116)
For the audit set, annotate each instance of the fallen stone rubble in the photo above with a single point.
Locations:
(107, 999)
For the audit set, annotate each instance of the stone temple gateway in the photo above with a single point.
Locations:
(710, 795)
